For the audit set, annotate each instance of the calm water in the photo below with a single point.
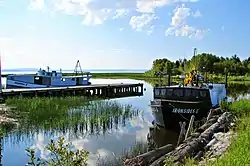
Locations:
(113, 142)
(102, 145)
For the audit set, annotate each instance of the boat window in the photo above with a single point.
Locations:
(178, 92)
(157, 92)
(163, 92)
(36, 78)
(195, 93)
(169, 92)
(203, 93)
(73, 79)
(188, 92)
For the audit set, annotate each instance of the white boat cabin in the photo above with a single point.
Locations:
(45, 79)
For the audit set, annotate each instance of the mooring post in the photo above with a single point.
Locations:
(210, 114)
(190, 126)
(226, 73)
(169, 79)
(182, 132)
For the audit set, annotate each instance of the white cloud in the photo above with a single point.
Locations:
(96, 12)
(180, 16)
(93, 12)
(143, 22)
(149, 6)
(197, 14)
(120, 13)
(179, 26)
(36, 4)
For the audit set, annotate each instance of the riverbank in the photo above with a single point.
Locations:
(146, 76)
(233, 147)
(239, 150)
(223, 138)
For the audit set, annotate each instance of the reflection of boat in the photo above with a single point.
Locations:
(44, 79)
(194, 97)
(159, 136)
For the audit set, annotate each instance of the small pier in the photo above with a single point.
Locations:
(97, 90)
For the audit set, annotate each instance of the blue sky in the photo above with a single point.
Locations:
(115, 34)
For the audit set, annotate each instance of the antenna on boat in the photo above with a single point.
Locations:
(195, 66)
(0, 74)
(78, 65)
(195, 62)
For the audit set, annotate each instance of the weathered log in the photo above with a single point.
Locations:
(211, 121)
(198, 155)
(201, 129)
(149, 157)
(188, 149)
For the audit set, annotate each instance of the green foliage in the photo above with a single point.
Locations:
(62, 154)
(241, 108)
(204, 62)
(239, 151)
(225, 105)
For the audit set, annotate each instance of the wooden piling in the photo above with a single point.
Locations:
(98, 90)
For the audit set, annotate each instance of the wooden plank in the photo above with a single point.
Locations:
(7, 92)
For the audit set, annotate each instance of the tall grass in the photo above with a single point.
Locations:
(70, 114)
(239, 151)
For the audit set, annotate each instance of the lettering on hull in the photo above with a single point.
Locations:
(186, 110)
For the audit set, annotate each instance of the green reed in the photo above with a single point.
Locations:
(71, 114)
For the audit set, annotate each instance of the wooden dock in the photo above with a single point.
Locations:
(97, 90)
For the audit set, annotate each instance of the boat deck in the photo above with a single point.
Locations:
(99, 90)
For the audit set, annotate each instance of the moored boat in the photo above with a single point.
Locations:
(43, 79)
(177, 103)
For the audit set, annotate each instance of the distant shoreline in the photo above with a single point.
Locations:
(143, 76)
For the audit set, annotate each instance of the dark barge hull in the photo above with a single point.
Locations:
(168, 113)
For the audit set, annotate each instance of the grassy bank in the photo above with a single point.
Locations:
(239, 151)
(145, 76)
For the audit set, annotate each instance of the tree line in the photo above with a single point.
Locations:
(204, 62)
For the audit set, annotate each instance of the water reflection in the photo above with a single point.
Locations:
(106, 140)
(239, 90)
(110, 135)
(159, 136)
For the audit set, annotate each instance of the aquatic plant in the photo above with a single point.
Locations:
(62, 154)
(75, 115)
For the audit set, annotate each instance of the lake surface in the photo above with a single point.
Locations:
(114, 142)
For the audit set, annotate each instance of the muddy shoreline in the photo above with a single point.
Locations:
(7, 116)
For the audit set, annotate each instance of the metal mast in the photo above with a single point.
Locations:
(195, 62)
(78, 65)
